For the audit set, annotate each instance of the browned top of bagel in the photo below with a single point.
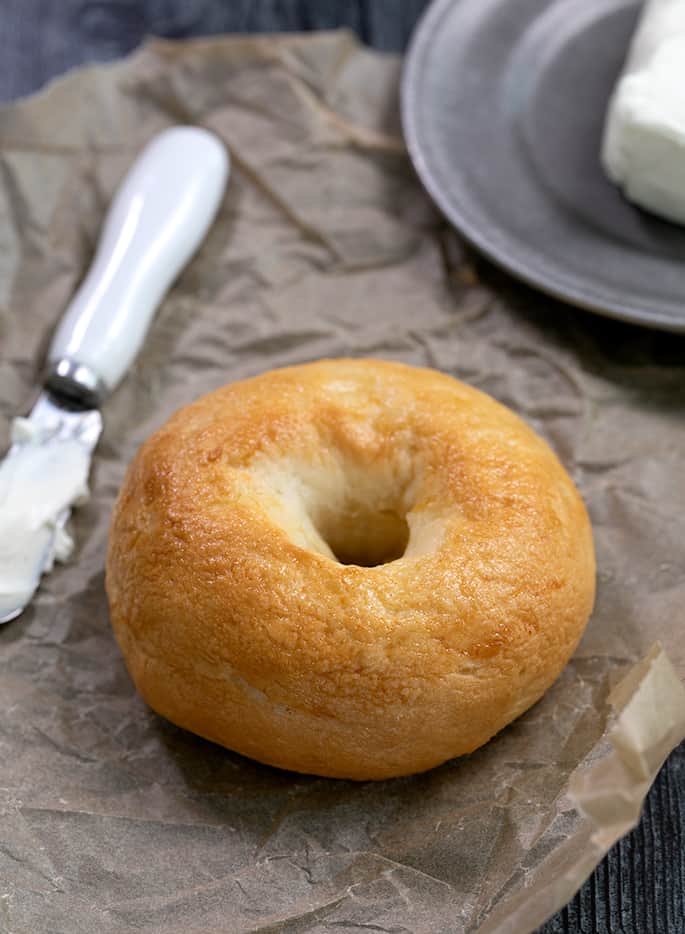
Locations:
(239, 579)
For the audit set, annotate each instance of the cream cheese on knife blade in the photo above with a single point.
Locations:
(643, 149)
(40, 479)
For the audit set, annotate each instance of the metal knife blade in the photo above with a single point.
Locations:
(54, 438)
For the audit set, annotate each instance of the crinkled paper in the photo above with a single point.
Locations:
(112, 820)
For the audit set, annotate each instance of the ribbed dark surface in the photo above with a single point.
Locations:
(640, 886)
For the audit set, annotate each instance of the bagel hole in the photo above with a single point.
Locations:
(364, 537)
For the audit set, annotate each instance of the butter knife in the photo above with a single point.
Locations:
(157, 219)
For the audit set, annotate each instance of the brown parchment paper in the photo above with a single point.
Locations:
(111, 819)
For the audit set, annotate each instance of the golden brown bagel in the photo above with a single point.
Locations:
(239, 581)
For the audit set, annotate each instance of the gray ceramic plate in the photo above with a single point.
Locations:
(503, 106)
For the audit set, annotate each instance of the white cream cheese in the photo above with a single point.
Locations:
(39, 479)
(643, 149)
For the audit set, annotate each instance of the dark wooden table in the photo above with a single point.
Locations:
(640, 886)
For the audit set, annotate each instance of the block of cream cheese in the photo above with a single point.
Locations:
(643, 149)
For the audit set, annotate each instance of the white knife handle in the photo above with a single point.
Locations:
(158, 218)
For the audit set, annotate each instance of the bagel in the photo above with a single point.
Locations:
(351, 568)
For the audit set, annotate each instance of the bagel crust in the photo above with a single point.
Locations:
(351, 568)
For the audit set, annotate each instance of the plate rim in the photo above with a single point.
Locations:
(594, 300)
